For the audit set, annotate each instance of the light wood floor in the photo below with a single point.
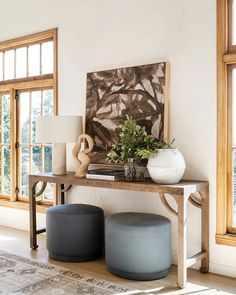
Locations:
(17, 242)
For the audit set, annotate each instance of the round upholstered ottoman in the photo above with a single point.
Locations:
(138, 245)
(75, 232)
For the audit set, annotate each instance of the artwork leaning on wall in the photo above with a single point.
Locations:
(139, 91)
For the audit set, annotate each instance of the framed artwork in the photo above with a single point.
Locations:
(140, 92)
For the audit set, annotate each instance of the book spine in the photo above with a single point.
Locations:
(103, 177)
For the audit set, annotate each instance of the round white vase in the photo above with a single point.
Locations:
(167, 167)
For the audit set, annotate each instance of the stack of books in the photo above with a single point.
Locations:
(106, 174)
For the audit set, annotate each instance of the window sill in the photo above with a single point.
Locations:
(226, 239)
(22, 205)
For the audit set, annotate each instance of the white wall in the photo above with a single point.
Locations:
(105, 34)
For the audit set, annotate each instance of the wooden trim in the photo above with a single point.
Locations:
(28, 83)
(40, 202)
(28, 40)
(229, 28)
(221, 119)
(226, 239)
(12, 143)
(17, 183)
(229, 58)
(40, 82)
(225, 61)
(229, 148)
(55, 71)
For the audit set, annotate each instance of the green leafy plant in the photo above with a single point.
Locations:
(135, 143)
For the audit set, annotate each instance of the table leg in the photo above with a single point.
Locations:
(205, 230)
(61, 194)
(32, 216)
(182, 240)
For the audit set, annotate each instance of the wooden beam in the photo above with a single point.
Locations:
(28, 40)
(28, 83)
(226, 239)
(195, 258)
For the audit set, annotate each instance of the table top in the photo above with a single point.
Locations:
(184, 186)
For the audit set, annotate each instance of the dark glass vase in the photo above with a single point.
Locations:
(130, 170)
(134, 171)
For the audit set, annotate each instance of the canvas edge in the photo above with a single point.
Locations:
(166, 107)
(166, 102)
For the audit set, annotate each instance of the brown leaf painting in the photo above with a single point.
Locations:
(138, 91)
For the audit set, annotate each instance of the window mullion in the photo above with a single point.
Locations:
(13, 155)
(17, 138)
(229, 147)
(2, 146)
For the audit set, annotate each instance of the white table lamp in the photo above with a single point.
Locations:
(58, 130)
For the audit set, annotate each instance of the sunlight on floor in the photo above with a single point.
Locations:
(4, 238)
(190, 289)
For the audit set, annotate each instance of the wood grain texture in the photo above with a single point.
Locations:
(185, 186)
(226, 58)
(37, 82)
(13, 170)
(28, 40)
(221, 118)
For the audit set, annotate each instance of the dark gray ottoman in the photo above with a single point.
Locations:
(75, 232)
(138, 245)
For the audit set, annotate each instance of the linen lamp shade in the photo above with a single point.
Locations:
(58, 130)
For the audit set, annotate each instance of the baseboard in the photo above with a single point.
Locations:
(216, 268)
(224, 270)
(19, 219)
(16, 224)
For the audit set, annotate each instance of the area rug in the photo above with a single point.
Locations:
(19, 275)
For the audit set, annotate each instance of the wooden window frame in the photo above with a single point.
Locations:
(226, 61)
(28, 83)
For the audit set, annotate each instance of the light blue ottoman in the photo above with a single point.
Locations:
(138, 245)
(75, 232)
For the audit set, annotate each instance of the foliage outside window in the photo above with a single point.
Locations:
(226, 125)
(28, 89)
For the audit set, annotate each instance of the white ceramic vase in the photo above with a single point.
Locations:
(167, 167)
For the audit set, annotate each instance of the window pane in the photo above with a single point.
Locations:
(9, 65)
(1, 125)
(24, 117)
(34, 60)
(24, 171)
(1, 66)
(6, 118)
(48, 194)
(37, 160)
(1, 164)
(234, 188)
(233, 22)
(47, 57)
(21, 62)
(7, 178)
(234, 144)
(47, 159)
(35, 111)
(48, 103)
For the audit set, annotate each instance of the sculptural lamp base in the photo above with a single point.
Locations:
(59, 159)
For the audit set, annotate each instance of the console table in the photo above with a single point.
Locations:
(195, 192)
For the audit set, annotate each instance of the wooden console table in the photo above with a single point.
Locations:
(182, 193)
